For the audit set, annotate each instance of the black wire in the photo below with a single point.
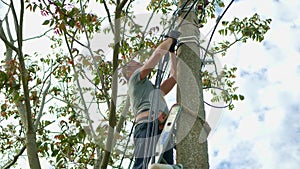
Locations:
(212, 34)
(131, 159)
(124, 152)
(205, 54)
(225, 91)
(186, 14)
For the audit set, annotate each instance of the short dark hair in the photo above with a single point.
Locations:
(125, 69)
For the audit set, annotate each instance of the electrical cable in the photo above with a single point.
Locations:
(215, 27)
(205, 54)
(186, 14)
(225, 91)
(127, 143)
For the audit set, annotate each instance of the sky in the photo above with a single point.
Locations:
(263, 131)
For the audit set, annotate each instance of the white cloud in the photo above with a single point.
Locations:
(263, 131)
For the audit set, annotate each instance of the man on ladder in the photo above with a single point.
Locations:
(141, 92)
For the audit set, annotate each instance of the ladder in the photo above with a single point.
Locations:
(166, 134)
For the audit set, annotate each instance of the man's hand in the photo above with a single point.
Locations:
(174, 35)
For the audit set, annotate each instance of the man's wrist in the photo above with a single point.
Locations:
(174, 77)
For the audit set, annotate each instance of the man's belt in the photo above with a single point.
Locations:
(143, 117)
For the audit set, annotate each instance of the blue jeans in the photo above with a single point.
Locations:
(141, 141)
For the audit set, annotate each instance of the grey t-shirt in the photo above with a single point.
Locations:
(141, 94)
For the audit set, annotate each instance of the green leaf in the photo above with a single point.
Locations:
(51, 23)
(46, 22)
(221, 4)
(34, 7)
(235, 97)
(29, 6)
(47, 123)
(224, 23)
(241, 97)
(221, 32)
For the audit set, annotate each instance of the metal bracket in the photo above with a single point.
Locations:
(208, 61)
(195, 39)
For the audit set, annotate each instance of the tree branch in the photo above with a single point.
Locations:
(30, 132)
(21, 25)
(223, 50)
(4, 3)
(114, 88)
(39, 36)
(15, 159)
(42, 105)
(121, 5)
(16, 22)
(4, 39)
(80, 91)
(8, 28)
(64, 101)
(95, 64)
(73, 39)
(109, 16)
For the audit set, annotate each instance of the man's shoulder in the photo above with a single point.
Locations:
(135, 77)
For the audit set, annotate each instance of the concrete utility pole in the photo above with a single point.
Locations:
(191, 152)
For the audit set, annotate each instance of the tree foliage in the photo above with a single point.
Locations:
(72, 80)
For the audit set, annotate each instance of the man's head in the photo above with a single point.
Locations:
(129, 68)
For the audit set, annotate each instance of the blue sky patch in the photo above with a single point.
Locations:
(269, 45)
(261, 117)
(215, 153)
(224, 165)
(244, 73)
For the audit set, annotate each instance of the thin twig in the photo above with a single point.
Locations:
(15, 159)
(8, 28)
(220, 51)
(49, 75)
(74, 39)
(149, 20)
(42, 105)
(4, 3)
(64, 101)
(39, 36)
(109, 16)
(80, 91)
(4, 39)
(101, 77)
